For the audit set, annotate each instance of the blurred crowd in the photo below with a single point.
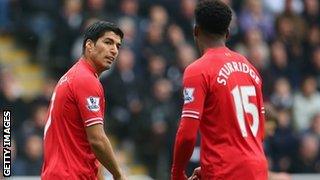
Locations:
(143, 89)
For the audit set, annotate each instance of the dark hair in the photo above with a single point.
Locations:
(97, 29)
(213, 16)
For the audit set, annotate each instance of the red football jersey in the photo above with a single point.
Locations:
(223, 90)
(77, 102)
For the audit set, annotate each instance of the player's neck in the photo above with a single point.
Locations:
(211, 44)
(88, 60)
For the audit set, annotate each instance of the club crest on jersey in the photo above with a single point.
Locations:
(188, 95)
(93, 103)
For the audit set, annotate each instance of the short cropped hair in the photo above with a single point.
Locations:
(97, 29)
(213, 16)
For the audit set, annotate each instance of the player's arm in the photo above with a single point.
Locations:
(278, 176)
(90, 101)
(194, 95)
(102, 148)
(183, 148)
(100, 172)
(196, 175)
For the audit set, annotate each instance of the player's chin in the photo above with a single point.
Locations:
(107, 66)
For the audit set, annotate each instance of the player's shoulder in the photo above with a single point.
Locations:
(237, 54)
(241, 58)
(245, 60)
(195, 67)
(81, 76)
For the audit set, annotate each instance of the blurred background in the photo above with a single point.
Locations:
(40, 40)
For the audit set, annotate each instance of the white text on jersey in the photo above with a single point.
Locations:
(228, 68)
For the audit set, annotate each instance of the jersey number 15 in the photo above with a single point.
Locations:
(241, 99)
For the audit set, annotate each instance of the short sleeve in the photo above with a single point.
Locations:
(90, 100)
(194, 93)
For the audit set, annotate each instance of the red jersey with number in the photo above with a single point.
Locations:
(223, 91)
(77, 102)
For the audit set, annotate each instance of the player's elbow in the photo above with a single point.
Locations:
(186, 138)
(97, 142)
(187, 131)
(189, 139)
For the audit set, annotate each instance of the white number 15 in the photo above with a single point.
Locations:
(241, 99)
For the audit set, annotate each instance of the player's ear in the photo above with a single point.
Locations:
(196, 31)
(228, 34)
(89, 44)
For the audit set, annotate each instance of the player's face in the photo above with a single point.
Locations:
(105, 51)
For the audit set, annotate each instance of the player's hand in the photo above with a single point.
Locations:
(179, 177)
(279, 176)
(178, 174)
(196, 175)
(122, 177)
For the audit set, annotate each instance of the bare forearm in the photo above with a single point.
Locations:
(100, 172)
(104, 153)
(278, 176)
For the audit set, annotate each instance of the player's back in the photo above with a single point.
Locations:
(67, 153)
(232, 123)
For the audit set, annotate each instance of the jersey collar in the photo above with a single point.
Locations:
(89, 66)
(217, 49)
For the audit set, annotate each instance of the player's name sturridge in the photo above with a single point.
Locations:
(228, 68)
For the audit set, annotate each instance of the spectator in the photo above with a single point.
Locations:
(33, 126)
(163, 115)
(70, 20)
(33, 159)
(154, 42)
(10, 96)
(124, 96)
(44, 96)
(278, 6)
(308, 156)
(254, 42)
(282, 97)
(315, 65)
(175, 36)
(311, 44)
(283, 142)
(306, 104)
(18, 167)
(156, 69)
(76, 49)
(314, 128)
(96, 9)
(184, 16)
(311, 12)
(31, 163)
(185, 55)
(130, 20)
(280, 66)
(38, 18)
(129, 8)
(4, 15)
(290, 26)
(159, 15)
(233, 28)
(253, 16)
(131, 38)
